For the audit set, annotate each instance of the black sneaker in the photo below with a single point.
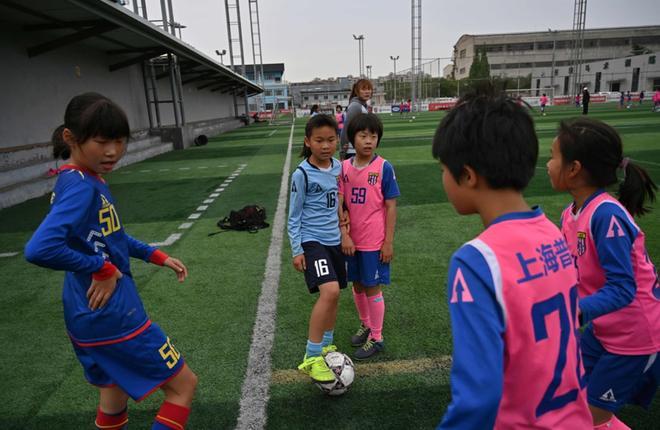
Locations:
(360, 336)
(369, 349)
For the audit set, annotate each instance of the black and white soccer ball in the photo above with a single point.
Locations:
(344, 371)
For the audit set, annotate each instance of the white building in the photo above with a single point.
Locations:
(535, 53)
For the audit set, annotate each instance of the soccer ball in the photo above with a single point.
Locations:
(344, 370)
(413, 116)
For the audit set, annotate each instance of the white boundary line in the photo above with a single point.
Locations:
(8, 254)
(255, 390)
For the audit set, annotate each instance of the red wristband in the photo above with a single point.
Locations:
(158, 257)
(106, 271)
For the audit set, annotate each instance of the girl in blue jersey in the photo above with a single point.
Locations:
(315, 238)
(122, 352)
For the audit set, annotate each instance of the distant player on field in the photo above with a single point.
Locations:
(368, 189)
(512, 290)
(618, 284)
(543, 101)
(121, 351)
(315, 238)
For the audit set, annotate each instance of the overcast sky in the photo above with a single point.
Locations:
(313, 38)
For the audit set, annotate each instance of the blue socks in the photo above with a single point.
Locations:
(328, 337)
(313, 349)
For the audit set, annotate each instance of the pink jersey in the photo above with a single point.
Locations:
(543, 100)
(513, 302)
(365, 191)
(339, 117)
(611, 257)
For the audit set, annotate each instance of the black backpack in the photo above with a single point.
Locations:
(250, 218)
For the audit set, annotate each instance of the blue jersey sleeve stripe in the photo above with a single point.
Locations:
(389, 186)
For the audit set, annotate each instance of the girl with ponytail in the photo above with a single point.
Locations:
(619, 295)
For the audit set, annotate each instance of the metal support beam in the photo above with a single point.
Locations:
(70, 38)
(135, 60)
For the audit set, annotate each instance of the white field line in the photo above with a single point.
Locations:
(185, 225)
(254, 393)
(169, 241)
(8, 254)
(194, 216)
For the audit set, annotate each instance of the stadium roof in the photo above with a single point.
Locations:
(125, 37)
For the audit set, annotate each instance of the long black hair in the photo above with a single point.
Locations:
(90, 115)
(599, 149)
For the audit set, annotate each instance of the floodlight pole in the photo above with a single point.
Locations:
(393, 58)
(552, 72)
(368, 71)
(360, 40)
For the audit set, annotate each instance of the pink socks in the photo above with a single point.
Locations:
(362, 306)
(376, 315)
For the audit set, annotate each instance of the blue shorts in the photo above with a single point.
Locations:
(325, 263)
(139, 365)
(366, 268)
(615, 380)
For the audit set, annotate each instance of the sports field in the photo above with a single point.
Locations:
(211, 316)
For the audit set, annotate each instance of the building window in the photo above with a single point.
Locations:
(556, 72)
(278, 79)
(587, 68)
(461, 71)
(462, 53)
(652, 59)
(325, 97)
(544, 45)
(606, 65)
(305, 98)
(334, 97)
(278, 92)
(628, 61)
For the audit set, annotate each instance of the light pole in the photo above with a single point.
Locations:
(360, 40)
(368, 71)
(393, 58)
(552, 72)
(221, 54)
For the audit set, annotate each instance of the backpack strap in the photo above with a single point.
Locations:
(305, 175)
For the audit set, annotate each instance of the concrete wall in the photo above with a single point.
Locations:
(35, 92)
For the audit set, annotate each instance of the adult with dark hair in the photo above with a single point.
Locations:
(586, 98)
(513, 313)
(360, 94)
(618, 284)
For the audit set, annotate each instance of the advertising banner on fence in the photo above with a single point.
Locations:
(442, 105)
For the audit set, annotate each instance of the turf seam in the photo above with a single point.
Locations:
(255, 389)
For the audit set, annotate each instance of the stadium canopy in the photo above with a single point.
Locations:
(125, 37)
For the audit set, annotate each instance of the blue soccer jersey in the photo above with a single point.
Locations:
(82, 235)
(313, 206)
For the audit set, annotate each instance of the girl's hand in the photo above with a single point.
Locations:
(345, 220)
(178, 267)
(299, 263)
(347, 245)
(386, 252)
(100, 291)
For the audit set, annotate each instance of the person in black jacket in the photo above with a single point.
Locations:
(585, 101)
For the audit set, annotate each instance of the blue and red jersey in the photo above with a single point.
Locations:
(83, 235)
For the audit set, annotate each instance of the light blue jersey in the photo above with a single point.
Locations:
(313, 206)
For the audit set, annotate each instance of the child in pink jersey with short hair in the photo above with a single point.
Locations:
(512, 290)
(618, 284)
(368, 189)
